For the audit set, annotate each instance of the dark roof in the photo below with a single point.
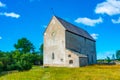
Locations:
(74, 29)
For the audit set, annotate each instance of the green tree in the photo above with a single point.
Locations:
(16, 55)
(113, 57)
(23, 65)
(27, 57)
(41, 59)
(24, 45)
(41, 53)
(41, 48)
(1, 66)
(118, 54)
(108, 60)
(1, 54)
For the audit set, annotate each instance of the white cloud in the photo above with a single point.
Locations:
(109, 7)
(94, 35)
(12, 14)
(0, 37)
(116, 21)
(2, 4)
(89, 22)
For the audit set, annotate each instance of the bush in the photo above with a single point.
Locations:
(15, 60)
(23, 65)
(1, 66)
(11, 67)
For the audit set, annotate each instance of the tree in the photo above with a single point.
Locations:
(108, 60)
(24, 45)
(113, 57)
(41, 51)
(118, 54)
(16, 55)
(41, 48)
(2, 54)
(14, 60)
(23, 65)
(1, 66)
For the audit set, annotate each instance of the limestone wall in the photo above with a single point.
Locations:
(71, 56)
(54, 43)
(57, 41)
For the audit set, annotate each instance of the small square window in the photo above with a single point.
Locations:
(61, 59)
(70, 61)
(69, 55)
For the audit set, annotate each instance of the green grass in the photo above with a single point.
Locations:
(95, 72)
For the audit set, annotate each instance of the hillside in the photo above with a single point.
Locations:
(96, 72)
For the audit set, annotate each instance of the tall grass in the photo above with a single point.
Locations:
(94, 72)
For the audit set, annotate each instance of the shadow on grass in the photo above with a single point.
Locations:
(7, 72)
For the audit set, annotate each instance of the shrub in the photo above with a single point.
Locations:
(1, 66)
(11, 67)
(23, 65)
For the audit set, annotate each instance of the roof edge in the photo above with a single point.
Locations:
(77, 53)
(91, 38)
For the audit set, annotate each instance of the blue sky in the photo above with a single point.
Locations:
(29, 18)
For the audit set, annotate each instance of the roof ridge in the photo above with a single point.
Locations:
(69, 23)
(74, 29)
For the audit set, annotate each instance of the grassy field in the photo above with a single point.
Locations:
(94, 72)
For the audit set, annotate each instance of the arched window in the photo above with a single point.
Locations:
(53, 56)
(70, 61)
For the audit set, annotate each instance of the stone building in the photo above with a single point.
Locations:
(67, 45)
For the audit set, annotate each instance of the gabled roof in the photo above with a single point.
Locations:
(74, 29)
